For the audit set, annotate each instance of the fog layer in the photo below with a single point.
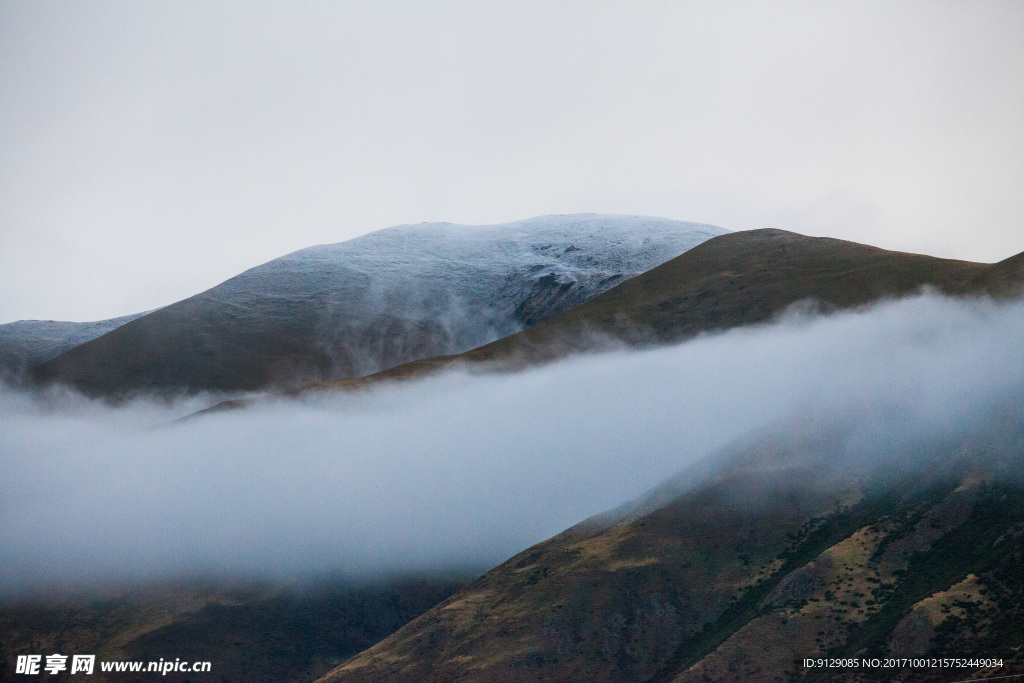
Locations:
(459, 470)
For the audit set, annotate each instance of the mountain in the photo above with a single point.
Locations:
(26, 343)
(358, 307)
(734, 570)
(251, 631)
(773, 553)
(740, 278)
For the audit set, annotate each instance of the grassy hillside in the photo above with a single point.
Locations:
(737, 279)
(775, 558)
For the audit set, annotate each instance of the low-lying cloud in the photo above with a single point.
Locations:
(464, 471)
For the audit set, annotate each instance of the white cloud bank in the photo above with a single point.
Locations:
(458, 471)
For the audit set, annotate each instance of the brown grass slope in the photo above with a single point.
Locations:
(773, 558)
(740, 278)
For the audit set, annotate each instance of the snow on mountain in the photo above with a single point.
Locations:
(474, 284)
(356, 307)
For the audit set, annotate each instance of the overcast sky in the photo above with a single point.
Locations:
(149, 151)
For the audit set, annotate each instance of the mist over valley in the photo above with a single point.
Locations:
(457, 470)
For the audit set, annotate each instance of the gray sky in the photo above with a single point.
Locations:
(149, 151)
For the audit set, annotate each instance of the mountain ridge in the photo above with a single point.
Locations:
(27, 343)
(723, 283)
(352, 308)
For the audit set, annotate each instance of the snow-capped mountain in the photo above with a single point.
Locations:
(360, 306)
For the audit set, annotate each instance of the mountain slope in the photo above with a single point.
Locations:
(252, 631)
(740, 278)
(770, 558)
(370, 303)
(26, 343)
